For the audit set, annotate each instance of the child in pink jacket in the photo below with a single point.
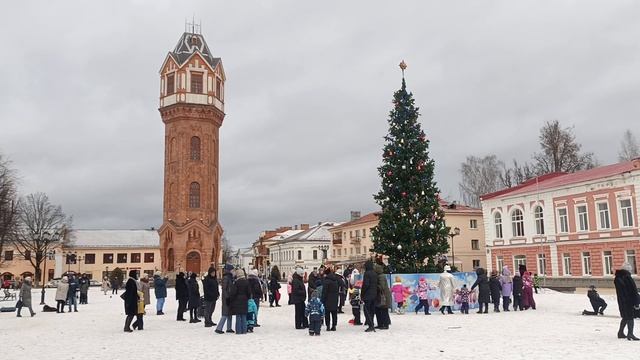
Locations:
(397, 290)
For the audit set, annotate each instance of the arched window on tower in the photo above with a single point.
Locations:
(195, 148)
(194, 195)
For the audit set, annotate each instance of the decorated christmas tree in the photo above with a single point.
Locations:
(411, 230)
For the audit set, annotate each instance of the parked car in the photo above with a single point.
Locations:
(53, 283)
(94, 282)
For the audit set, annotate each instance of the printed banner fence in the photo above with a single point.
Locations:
(410, 284)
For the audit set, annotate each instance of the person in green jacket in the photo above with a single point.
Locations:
(536, 282)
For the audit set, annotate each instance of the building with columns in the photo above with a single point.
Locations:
(192, 109)
(575, 229)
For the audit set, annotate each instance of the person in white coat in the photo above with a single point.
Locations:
(447, 288)
(61, 294)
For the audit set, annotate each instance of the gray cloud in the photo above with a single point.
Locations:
(308, 92)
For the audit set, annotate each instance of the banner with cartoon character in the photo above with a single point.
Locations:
(414, 286)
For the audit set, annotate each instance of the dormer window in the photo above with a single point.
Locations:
(171, 84)
(218, 89)
(196, 83)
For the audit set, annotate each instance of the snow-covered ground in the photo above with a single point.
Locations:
(555, 331)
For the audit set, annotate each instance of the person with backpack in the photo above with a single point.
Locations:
(255, 287)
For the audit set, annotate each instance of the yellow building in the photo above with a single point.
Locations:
(352, 240)
(92, 252)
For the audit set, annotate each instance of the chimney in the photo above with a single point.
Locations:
(304, 227)
(295, 227)
(355, 215)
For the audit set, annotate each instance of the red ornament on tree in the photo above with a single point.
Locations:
(404, 194)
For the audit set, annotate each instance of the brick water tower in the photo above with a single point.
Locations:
(192, 110)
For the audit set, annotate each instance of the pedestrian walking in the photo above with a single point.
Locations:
(422, 291)
(24, 299)
(160, 291)
(274, 288)
(628, 301)
(527, 292)
(61, 294)
(130, 298)
(397, 290)
(106, 285)
(315, 311)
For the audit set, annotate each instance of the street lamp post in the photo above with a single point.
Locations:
(456, 232)
(48, 237)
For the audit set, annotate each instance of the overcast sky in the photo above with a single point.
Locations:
(309, 88)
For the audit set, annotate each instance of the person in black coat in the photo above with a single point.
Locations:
(274, 287)
(239, 301)
(483, 290)
(130, 300)
(311, 282)
(225, 312)
(330, 299)
(211, 295)
(517, 292)
(342, 291)
(369, 293)
(628, 300)
(256, 292)
(182, 295)
(194, 298)
(297, 297)
(496, 290)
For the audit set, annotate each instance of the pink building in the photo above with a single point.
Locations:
(578, 227)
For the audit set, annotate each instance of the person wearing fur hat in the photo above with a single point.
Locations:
(182, 295)
(226, 317)
(130, 297)
(330, 299)
(61, 294)
(422, 291)
(194, 298)
(447, 289)
(211, 295)
(628, 300)
(239, 301)
(298, 297)
(507, 287)
(25, 296)
(160, 290)
(484, 292)
(256, 292)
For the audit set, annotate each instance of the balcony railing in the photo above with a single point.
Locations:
(356, 240)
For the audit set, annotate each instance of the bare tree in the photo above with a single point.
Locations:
(479, 176)
(629, 148)
(510, 177)
(38, 219)
(560, 151)
(8, 202)
(227, 250)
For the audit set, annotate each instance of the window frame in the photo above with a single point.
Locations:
(170, 90)
(538, 219)
(497, 226)
(566, 264)
(499, 263)
(519, 260)
(607, 211)
(578, 220)
(586, 263)
(475, 244)
(196, 75)
(149, 257)
(631, 253)
(563, 220)
(194, 195)
(473, 224)
(195, 148)
(90, 258)
(107, 258)
(517, 224)
(607, 263)
(622, 214)
(136, 258)
(124, 256)
(541, 260)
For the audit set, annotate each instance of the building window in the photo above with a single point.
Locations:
(364, 233)
(196, 82)
(339, 252)
(538, 216)
(473, 223)
(299, 255)
(194, 195)
(563, 220)
(607, 262)
(499, 263)
(135, 257)
(631, 259)
(218, 89)
(89, 258)
(586, 263)
(358, 250)
(583, 218)
(8, 255)
(603, 215)
(476, 263)
(517, 223)
(542, 264)
(566, 264)
(475, 244)
(122, 258)
(497, 221)
(519, 260)
(195, 148)
(149, 257)
(107, 258)
(27, 254)
(334, 252)
(627, 213)
(149, 273)
(315, 254)
(171, 84)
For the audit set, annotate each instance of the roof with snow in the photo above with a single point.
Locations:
(362, 220)
(560, 179)
(318, 232)
(114, 239)
(189, 44)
